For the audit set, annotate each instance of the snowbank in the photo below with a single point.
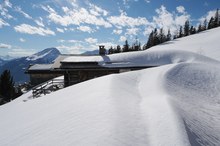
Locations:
(205, 43)
(177, 103)
(194, 90)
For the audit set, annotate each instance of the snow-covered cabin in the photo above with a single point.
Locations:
(40, 73)
(78, 68)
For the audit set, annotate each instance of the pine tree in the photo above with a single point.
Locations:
(7, 89)
(199, 28)
(180, 32)
(118, 48)
(139, 46)
(176, 34)
(156, 39)
(162, 37)
(150, 41)
(186, 28)
(216, 19)
(168, 38)
(192, 30)
(126, 47)
(136, 45)
(204, 27)
(211, 23)
(110, 51)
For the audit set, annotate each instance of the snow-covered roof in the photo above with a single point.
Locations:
(84, 59)
(40, 67)
(57, 61)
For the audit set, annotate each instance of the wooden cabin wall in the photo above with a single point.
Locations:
(37, 79)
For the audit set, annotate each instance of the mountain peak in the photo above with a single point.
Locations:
(17, 66)
(48, 53)
(48, 50)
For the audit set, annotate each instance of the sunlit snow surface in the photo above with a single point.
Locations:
(174, 104)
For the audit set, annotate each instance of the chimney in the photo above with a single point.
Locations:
(102, 50)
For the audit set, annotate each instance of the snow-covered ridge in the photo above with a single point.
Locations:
(176, 103)
(205, 43)
(37, 56)
(152, 57)
(194, 91)
(45, 53)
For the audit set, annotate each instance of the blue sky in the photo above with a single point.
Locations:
(75, 26)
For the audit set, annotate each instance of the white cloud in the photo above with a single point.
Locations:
(132, 31)
(39, 22)
(61, 41)
(74, 41)
(48, 9)
(22, 40)
(207, 16)
(69, 41)
(75, 49)
(65, 9)
(180, 20)
(73, 3)
(169, 20)
(5, 46)
(180, 9)
(28, 29)
(97, 11)
(20, 52)
(122, 39)
(147, 1)
(91, 40)
(19, 10)
(85, 29)
(164, 19)
(7, 3)
(4, 6)
(148, 30)
(125, 2)
(75, 17)
(3, 23)
(125, 21)
(106, 44)
(60, 30)
(118, 31)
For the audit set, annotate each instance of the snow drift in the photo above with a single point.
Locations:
(177, 103)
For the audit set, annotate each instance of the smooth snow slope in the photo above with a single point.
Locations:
(205, 43)
(177, 104)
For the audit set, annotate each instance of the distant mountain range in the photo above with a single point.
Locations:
(6, 58)
(18, 66)
(94, 52)
(2, 62)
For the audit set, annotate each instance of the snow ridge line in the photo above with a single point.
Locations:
(159, 116)
(190, 87)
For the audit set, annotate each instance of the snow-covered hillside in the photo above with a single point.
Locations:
(176, 103)
(205, 43)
